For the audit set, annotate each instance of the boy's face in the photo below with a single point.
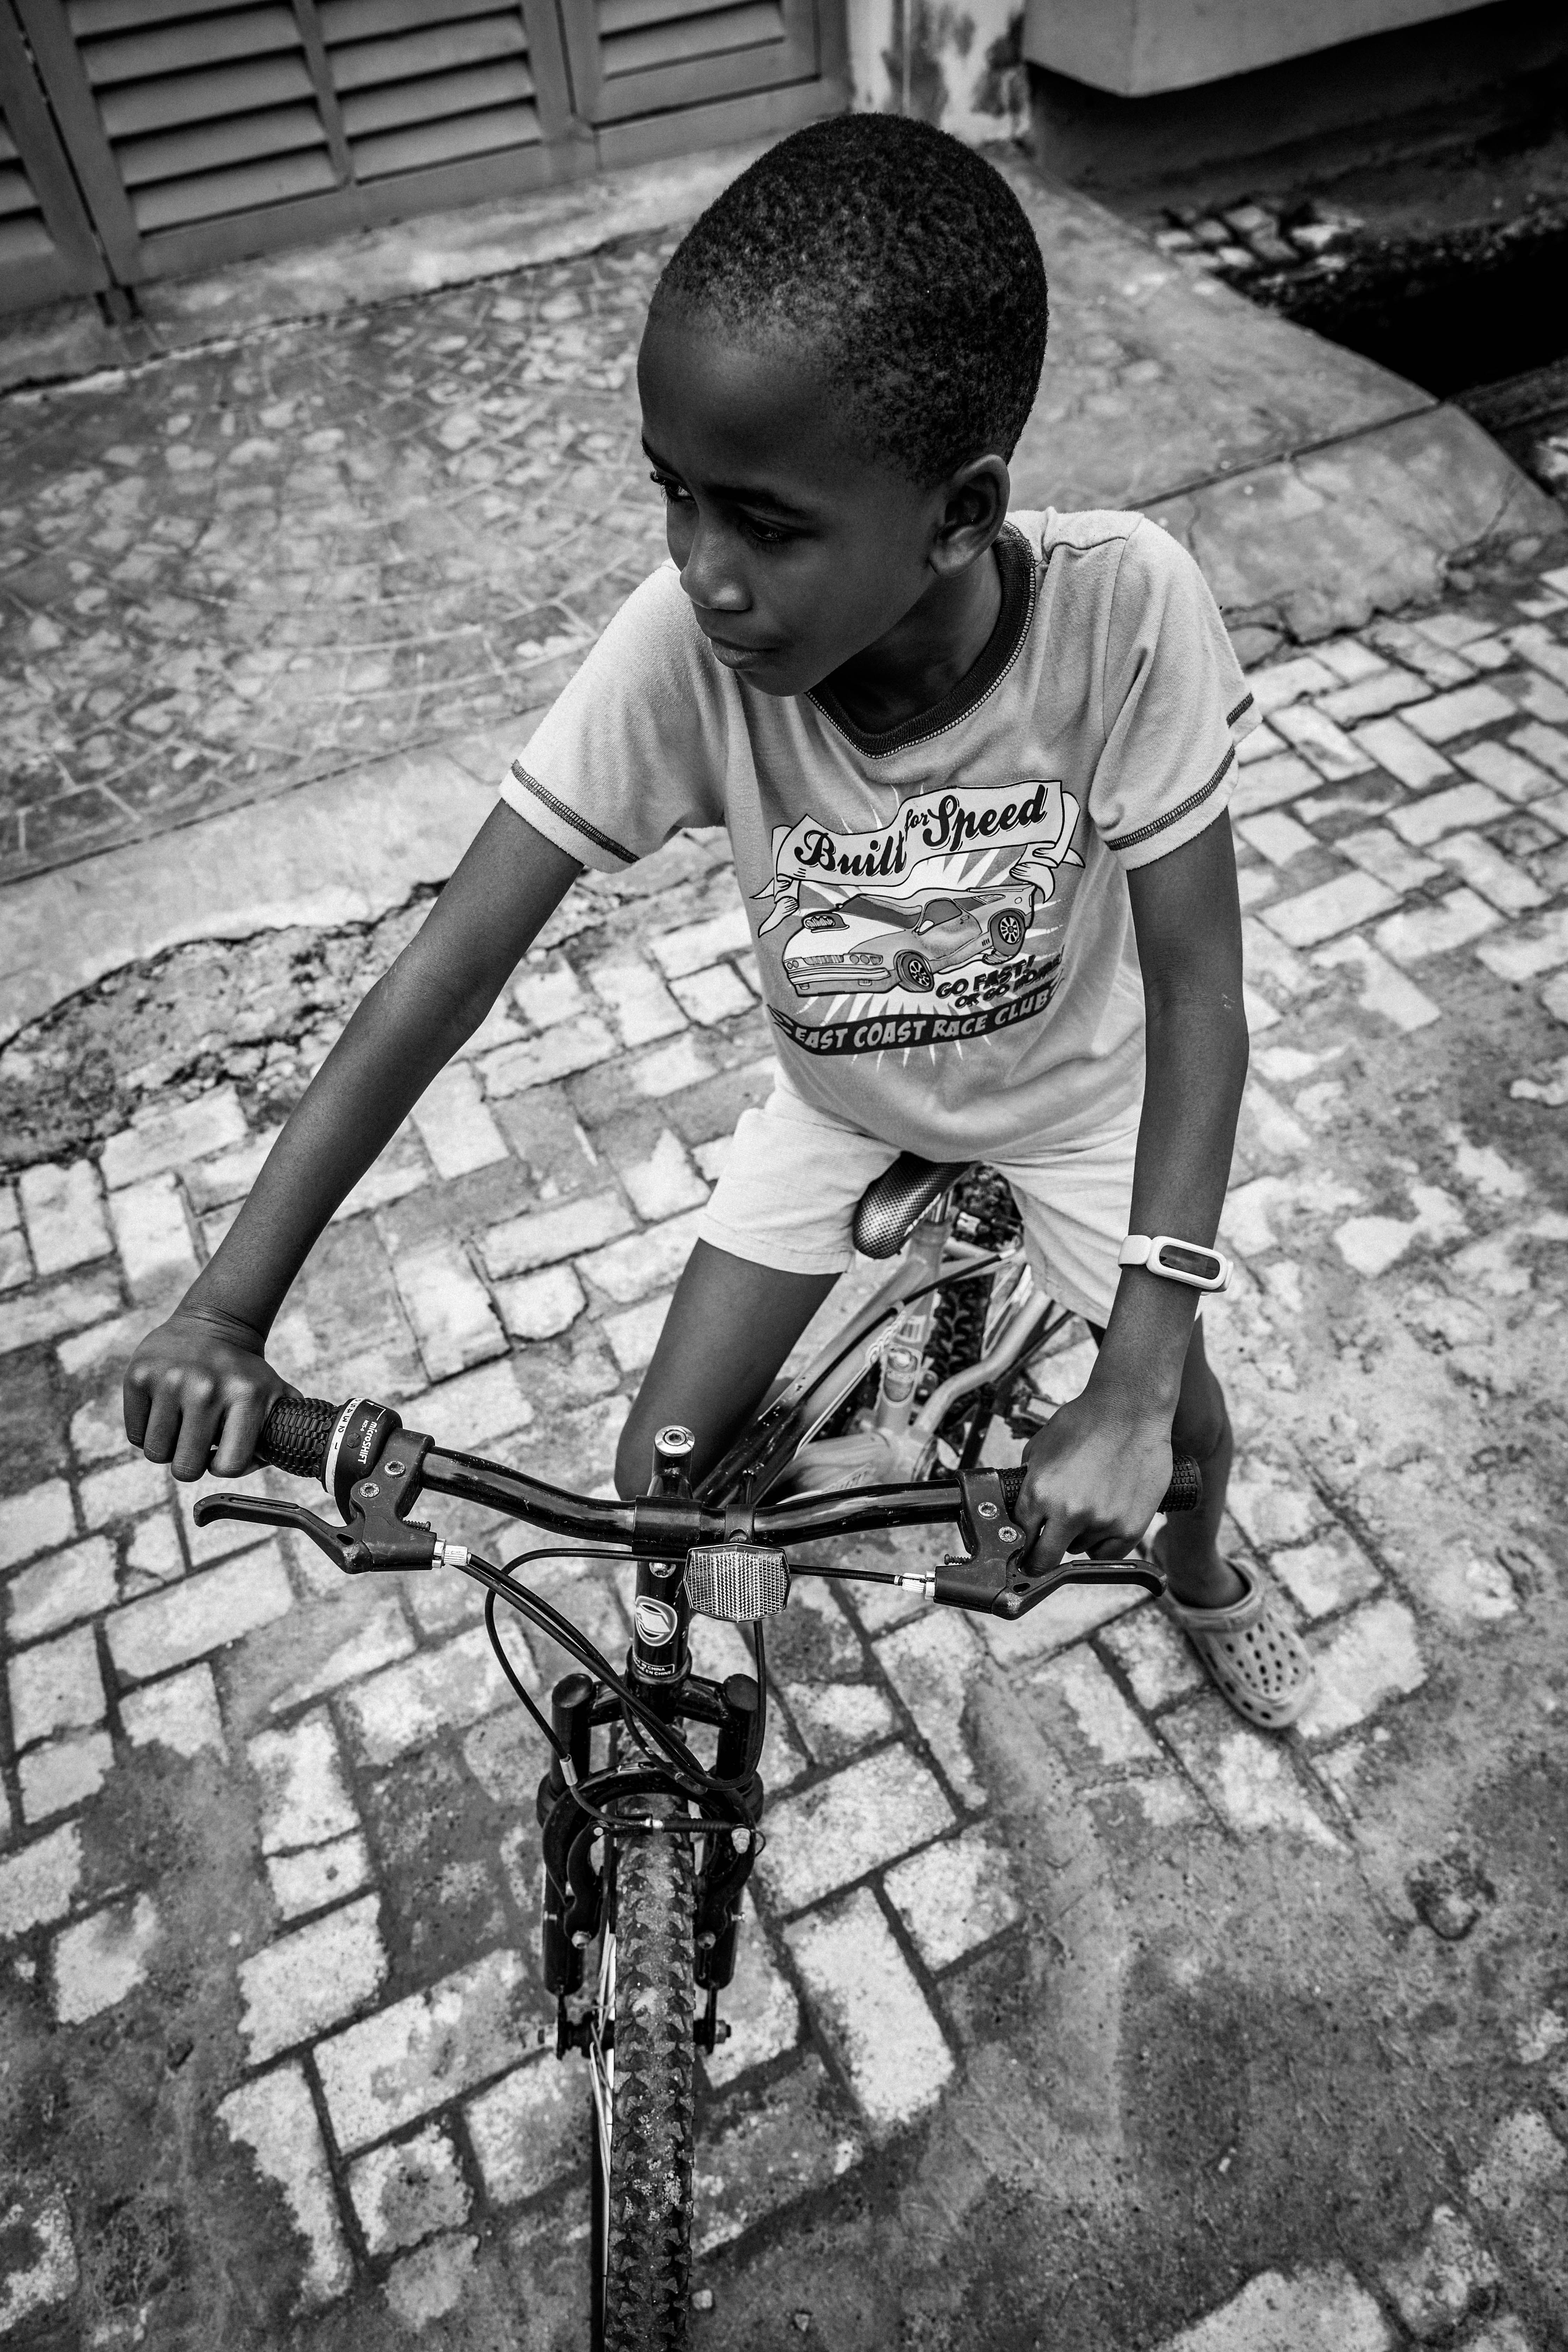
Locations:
(798, 549)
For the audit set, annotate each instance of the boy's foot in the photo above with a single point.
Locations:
(1252, 1652)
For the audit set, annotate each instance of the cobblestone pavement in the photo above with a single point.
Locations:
(1072, 2013)
(320, 542)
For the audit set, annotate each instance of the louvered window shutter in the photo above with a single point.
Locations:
(47, 245)
(428, 82)
(658, 54)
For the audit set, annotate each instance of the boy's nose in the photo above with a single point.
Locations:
(710, 579)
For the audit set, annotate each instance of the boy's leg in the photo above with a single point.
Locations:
(730, 1327)
(1189, 1541)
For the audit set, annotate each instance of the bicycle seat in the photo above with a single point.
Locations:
(887, 1209)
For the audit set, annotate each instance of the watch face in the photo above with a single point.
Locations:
(1203, 1263)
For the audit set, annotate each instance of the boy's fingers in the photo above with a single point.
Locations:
(242, 1427)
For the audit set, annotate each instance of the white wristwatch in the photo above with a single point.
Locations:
(1200, 1269)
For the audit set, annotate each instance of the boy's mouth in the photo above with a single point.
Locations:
(736, 656)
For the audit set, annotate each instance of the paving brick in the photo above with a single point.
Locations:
(670, 1069)
(317, 1876)
(1084, 1713)
(547, 993)
(1541, 650)
(213, 1122)
(692, 946)
(427, 2284)
(539, 1061)
(453, 1126)
(1383, 988)
(406, 1704)
(205, 1612)
(1243, 1772)
(1326, 1575)
(15, 1267)
(475, 1410)
(1296, 2310)
(275, 2117)
(311, 1979)
(866, 1815)
(63, 1208)
(1349, 658)
(37, 1520)
(1448, 2275)
(405, 2193)
(1336, 906)
(38, 1883)
(1276, 836)
(63, 1773)
(98, 1962)
(1261, 744)
(663, 1181)
(1521, 2186)
(1461, 712)
(1272, 1502)
(65, 1307)
(1332, 752)
(931, 1663)
(423, 2052)
(1372, 1656)
(123, 1490)
(642, 1007)
(1452, 923)
(1159, 1662)
(545, 1236)
(179, 1713)
(449, 1308)
(1270, 781)
(954, 1895)
(715, 995)
(1286, 682)
(41, 2269)
(1452, 630)
(530, 2129)
(1527, 952)
(1425, 821)
(56, 1686)
(1507, 771)
(634, 1333)
(647, 1261)
(539, 1305)
(59, 1590)
(1379, 852)
(1402, 753)
(1069, 1615)
(1385, 689)
(1544, 743)
(227, 1177)
(870, 2007)
(152, 1237)
(401, 1169)
(836, 1721)
(304, 1797)
(759, 2006)
(1503, 884)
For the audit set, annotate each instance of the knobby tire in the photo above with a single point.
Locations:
(648, 2273)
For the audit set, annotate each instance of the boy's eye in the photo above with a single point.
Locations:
(673, 490)
(764, 534)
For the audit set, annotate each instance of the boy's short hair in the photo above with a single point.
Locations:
(908, 260)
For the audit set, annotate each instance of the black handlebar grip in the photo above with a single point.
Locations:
(1184, 1492)
(298, 1431)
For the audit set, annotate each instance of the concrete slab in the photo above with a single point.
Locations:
(1320, 540)
(344, 852)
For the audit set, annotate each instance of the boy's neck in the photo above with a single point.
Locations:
(927, 653)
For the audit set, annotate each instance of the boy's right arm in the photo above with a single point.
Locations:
(201, 1380)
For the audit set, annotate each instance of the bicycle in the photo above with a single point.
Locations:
(647, 1851)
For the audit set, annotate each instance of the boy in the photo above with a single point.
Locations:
(974, 773)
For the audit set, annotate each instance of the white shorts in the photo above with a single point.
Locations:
(786, 1195)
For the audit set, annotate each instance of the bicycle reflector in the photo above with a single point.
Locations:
(737, 1581)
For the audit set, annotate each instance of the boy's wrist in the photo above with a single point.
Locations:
(1137, 1370)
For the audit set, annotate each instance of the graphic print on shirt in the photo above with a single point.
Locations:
(944, 924)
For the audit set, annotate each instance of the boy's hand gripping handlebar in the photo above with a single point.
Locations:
(372, 1479)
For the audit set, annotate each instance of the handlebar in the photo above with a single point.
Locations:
(309, 1438)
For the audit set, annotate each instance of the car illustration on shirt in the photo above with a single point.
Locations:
(867, 944)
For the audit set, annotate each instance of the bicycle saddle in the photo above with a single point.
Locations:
(887, 1209)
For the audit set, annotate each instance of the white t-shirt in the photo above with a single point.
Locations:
(942, 926)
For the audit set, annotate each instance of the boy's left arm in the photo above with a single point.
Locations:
(1095, 1472)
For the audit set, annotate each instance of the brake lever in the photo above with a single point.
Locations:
(991, 1580)
(377, 1533)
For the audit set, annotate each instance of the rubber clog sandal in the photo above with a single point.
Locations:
(1252, 1652)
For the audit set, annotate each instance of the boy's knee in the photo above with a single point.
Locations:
(1202, 1425)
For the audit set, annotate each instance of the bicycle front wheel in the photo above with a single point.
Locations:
(642, 2183)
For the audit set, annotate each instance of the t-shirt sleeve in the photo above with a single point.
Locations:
(1176, 705)
(633, 746)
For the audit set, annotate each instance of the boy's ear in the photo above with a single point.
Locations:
(974, 509)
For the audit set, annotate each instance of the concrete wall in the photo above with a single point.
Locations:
(956, 63)
(1135, 48)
